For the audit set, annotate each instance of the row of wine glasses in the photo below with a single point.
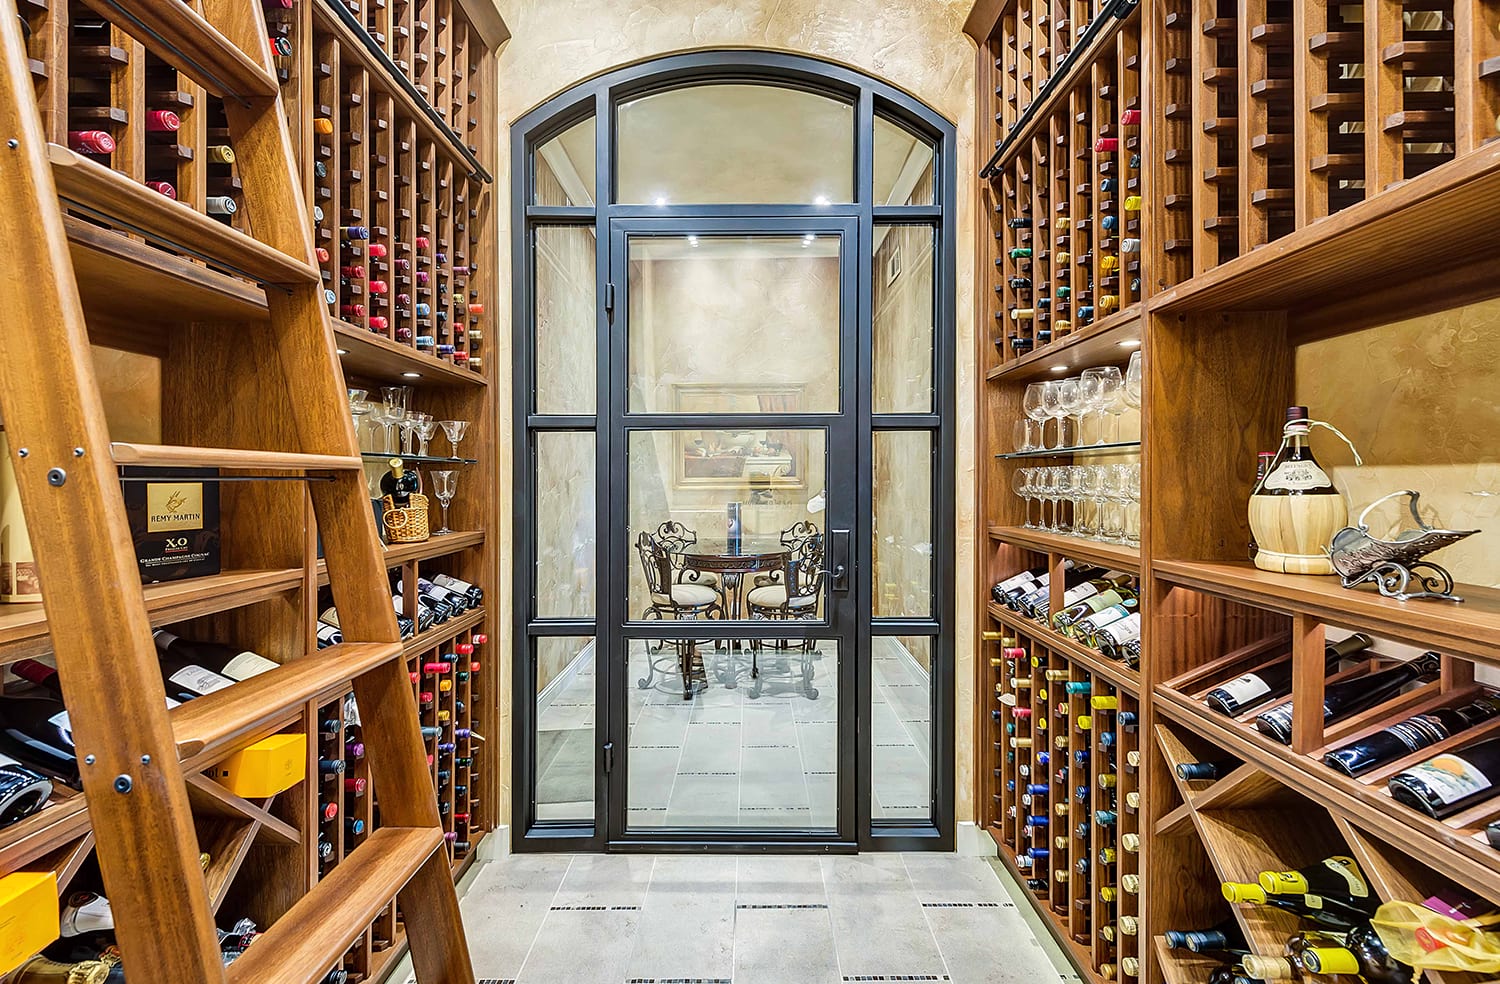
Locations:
(1103, 391)
(392, 415)
(1102, 501)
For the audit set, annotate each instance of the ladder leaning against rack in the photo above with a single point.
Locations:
(133, 752)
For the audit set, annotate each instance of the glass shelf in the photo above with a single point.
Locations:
(420, 459)
(1082, 451)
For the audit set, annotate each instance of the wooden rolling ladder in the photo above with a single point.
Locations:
(131, 749)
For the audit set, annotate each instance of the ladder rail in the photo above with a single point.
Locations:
(96, 611)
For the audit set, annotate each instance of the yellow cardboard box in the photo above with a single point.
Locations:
(266, 767)
(28, 915)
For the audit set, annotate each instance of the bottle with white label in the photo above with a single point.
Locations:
(22, 791)
(1274, 681)
(230, 661)
(1295, 510)
(1450, 782)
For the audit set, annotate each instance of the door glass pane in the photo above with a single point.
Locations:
(565, 336)
(746, 750)
(565, 498)
(745, 144)
(564, 768)
(904, 312)
(734, 324)
(901, 728)
(745, 509)
(564, 167)
(903, 524)
(904, 173)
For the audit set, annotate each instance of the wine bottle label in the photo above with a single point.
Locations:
(1244, 689)
(1125, 630)
(1450, 778)
(247, 665)
(200, 680)
(1297, 476)
(1079, 593)
(86, 913)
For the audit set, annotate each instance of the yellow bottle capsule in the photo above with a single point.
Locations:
(1129, 925)
(1085, 722)
(1057, 674)
(1020, 743)
(1107, 971)
(1020, 683)
(1108, 893)
(1106, 780)
(1060, 842)
(1061, 809)
(1062, 223)
(1109, 264)
(1022, 314)
(1062, 326)
(1061, 741)
(1107, 933)
(1133, 203)
(989, 636)
(1108, 303)
(1062, 258)
(1061, 874)
(1130, 966)
(1104, 702)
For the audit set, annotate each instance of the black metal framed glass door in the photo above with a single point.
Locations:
(734, 541)
(734, 472)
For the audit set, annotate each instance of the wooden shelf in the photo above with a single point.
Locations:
(1360, 250)
(439, 634)
(1107, 341)
(438, 546)
(23, 628)
(369, 356)
(1116, 673)
(1116, 556)
(1471, 629)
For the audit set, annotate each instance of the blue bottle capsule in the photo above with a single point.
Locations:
(1104, 818)
(1077, 686)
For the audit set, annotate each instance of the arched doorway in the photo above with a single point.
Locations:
(734, 351)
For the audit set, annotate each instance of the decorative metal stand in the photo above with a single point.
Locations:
(1395, 566)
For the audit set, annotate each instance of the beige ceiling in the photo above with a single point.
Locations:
(737, 144)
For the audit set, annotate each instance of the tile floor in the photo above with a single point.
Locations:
(634, 919)
(726, 758)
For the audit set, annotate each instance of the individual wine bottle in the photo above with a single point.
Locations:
(1364, 954)
(230, 661)
(1413, 734)
(1329, 912)
(1087, 630)
(1296, 511)
(1341, 700)
(1262, 465)
(1065, 620)
(85, 913)
(473, 593)
(329, 635)
(455, 600)
(1108, 582)
(1112, 639)
(1447, 783)
(399, 484)
(35, 731)
(1190, 771)
(97, 142)
(23, 791)
(1336, 877)
(41, 970)
(1275, 681)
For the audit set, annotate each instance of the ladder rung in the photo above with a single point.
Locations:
(309, 938)
(181, 36)
(205, 727)
(168, 456)
(113, 196)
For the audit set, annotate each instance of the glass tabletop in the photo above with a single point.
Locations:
(745, 546)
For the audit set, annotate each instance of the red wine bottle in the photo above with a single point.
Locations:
(1341, 700)
(36, 732)
(1363, 953)
(1447, 783)
(23, 791)
(230, 661)
(1275, 681)
(1413, 734)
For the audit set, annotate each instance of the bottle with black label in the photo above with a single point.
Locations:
(1413, 734)
(1340, 700)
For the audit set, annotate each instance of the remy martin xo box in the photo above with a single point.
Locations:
(174, 521)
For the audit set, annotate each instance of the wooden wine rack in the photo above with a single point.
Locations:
(405, 85)
(1306, 171)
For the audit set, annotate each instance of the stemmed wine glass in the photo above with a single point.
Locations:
(1132, 483)
(1062, 489)
(455, 429)
(444, 484)
(1093, 490)
(1071, 400)
(1020, 483)
(424, 429)
(1102, 386)
(1052, 403)
(1076, 493)
(1036, 412)
(1132, 392)
(394, 400)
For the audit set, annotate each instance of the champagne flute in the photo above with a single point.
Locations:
(444, 485)
(1020, 483)
(1031, 403)
(455, 429)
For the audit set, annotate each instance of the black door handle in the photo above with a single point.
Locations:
(838, 560)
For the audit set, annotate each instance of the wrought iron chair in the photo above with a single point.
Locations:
(791, 593)
(678, 602)
(796, 534)
(675, 539)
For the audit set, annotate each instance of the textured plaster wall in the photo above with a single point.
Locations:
(918, 47)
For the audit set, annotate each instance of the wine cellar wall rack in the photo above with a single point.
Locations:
(388, 105)
(1299, 171)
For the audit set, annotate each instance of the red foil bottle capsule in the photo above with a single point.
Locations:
(437, 667)
(377, 323)
(464, 649)
(353, 271)
(1131, 117)
(352, 310)
(91, 142)
(423, 242)
(355, 786)
(321, 254)
(329, 810)
(163, 121)
(1106, 145)
(479, 638)
(162, 187)
(378, 287)
(476, 309)
(377, 250)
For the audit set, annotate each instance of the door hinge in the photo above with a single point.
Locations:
(609, 297)
(609, 757)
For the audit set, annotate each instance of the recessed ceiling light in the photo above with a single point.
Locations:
(412, 375)
(821, 200)
(1131, 343)
(343, 351)
(692, 240)
(1059, 369)
(661, 200)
